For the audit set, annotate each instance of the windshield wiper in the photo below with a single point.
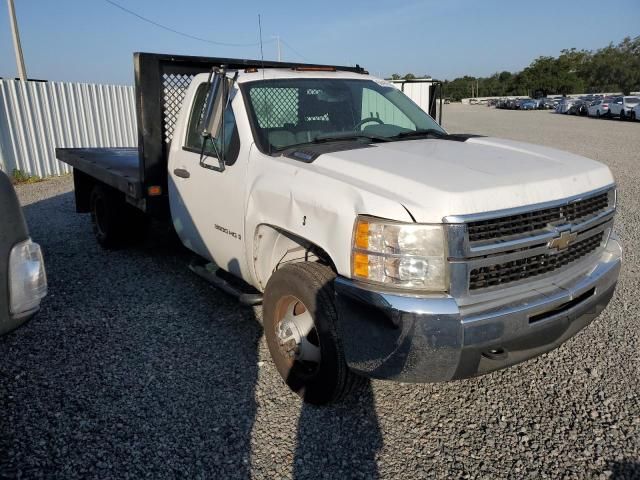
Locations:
(335, 138)
(425, 132)
(349, 136)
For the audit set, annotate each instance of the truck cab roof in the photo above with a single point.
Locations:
(250, 75)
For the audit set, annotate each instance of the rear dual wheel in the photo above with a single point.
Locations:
(301, 328)
(115, 222)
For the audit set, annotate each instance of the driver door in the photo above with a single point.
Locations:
(206, 197)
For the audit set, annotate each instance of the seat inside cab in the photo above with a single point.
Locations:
(316, 116)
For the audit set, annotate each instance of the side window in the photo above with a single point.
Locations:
(376, 105)
(194, 139)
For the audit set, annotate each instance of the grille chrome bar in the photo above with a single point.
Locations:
(531, 266)
(529, 223)
(539, 238)
(527, 252)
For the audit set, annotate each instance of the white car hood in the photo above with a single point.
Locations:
(435, 178)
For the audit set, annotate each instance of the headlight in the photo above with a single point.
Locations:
(27, 278)
(405, 255)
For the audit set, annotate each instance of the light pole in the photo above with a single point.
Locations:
(22, 71)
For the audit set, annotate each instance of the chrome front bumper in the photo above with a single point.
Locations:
(433, 339)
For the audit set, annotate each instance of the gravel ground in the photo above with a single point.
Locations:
(136, 368)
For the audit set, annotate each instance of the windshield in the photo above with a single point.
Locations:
(288, 112)
(632, 99)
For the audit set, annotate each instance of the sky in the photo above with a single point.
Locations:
(93, 40)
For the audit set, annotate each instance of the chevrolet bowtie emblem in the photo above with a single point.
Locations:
(563, 241)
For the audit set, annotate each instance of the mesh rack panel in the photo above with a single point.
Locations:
(174, 87)
(275, 107)
(520, 269)
(529, 223)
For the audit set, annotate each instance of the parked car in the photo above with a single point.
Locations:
(546, 103)
(579, 107)
(529, 104)
(564, 105)
(573, 109)
(599, 108)
(373, 244)
(621, 106)
(23, 281)
(634, 114)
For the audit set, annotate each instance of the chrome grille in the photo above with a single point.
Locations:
(529, 223)
(522, 268)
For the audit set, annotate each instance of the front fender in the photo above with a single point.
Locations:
(295, 197)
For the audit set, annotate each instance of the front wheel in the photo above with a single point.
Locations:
(301, 328)
(623, 115)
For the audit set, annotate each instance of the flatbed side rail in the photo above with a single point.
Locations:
(116, 167)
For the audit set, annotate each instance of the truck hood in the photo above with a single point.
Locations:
(434, 178)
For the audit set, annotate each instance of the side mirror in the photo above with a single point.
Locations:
(212, 123)
(212, 120)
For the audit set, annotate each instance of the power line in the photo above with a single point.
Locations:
(177, 32)
(294, 51)
(277, 38)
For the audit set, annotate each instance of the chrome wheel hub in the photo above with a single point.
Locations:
(297, 336)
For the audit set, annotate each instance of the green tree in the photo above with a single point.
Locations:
(609, 69)
(614, 68)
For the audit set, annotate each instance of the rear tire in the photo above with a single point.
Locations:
(115, 223)
(310, 359)
(623, 116)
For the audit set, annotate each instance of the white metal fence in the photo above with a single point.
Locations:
(37, 117)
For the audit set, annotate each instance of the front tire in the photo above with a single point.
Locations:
(301, 328)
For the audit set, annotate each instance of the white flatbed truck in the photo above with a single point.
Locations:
(379, 245)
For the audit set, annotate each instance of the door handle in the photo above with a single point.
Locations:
(181, 172)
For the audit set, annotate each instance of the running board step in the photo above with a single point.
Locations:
(213, 274)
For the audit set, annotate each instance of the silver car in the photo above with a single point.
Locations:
(23, 281)
(622, 106)
(599, 108)
(564, 105)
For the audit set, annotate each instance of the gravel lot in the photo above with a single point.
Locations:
(136, 368)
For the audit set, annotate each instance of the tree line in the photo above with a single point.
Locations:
(615, 68)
